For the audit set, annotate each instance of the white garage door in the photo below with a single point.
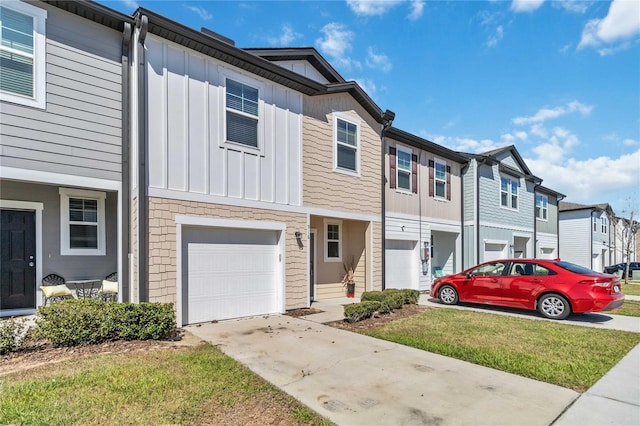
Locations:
(230, 273)
(494, 251)
(401, 264)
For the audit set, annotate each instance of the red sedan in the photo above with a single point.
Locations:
(554, 287)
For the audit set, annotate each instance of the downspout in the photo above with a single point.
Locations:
(558, 199)
(387, 121)
(535, 219)
(142, 23)
(591, 238)
(477, 218)
(463, 170)
(123, 275)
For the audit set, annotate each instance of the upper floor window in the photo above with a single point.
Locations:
(242, 113)
(82, 222)
(508, 192)
(595, 223)
(541, 206)
(333, 241)
(440, 179)
(347, 146)
(403, 158)
(22, 54)
(603, 223)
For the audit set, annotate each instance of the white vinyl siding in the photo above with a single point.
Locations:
(22, 54)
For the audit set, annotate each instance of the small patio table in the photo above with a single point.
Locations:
(86, 289)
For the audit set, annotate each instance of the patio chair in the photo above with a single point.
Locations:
(109, 289)
(54, 289)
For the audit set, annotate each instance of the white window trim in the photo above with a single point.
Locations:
(509, 194)
(444, 163)
(65, 250)
(603, 224)
(328, 222)
(241, 78)
(400, 148)
(542, 208)
(338, 116)
(39, 56)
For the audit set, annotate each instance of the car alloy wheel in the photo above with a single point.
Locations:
(554, 306)
(448, 295)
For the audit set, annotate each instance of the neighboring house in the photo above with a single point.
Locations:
(546, 243)
(252, 182)
(499, 207)
(61, 115)
(423, 210)
(586, 234)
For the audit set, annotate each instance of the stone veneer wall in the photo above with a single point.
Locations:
(162, 245)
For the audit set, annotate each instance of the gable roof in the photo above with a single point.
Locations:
(491, 157)
(565, 206)
(550, 191)
(418, 142)
(309, 54)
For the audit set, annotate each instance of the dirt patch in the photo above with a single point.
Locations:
(379, 320)
(302, 312)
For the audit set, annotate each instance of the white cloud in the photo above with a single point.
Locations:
(621, 23)
(549, 113)
(580, 182)
(630, 142)
(526, 5)
(200, 11)
(367, 85)
(132, 4)
(287, 36)
(336, 43)
(417, 9)
(378, 61)
(372, 7)
(465, 144)
(495, 37)
(573, 6)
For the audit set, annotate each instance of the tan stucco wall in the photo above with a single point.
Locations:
(322, 186)
(401, 202)
(162, 245)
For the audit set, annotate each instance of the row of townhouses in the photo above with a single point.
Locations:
(230, 182)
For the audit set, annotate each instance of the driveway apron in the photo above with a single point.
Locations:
(359, 380)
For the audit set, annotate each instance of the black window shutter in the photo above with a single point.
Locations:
(414, 173)
(448, 182)
(392, 167)
(431, 178)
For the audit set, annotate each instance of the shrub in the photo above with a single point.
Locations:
(376, 296)
(83, 321)
(12, 335)
(359, 311)
(411, 296)
(391, 301)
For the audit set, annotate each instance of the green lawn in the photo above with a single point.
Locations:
(632, 288)
(630, 308)
(188, 386)
(570, 356)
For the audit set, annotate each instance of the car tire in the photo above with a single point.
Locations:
(554, 306)
(448, 295)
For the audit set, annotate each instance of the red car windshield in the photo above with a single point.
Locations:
(577, 269)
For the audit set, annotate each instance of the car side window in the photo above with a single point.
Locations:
(542, 270)
(490, 269)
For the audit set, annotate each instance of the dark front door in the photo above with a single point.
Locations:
(17, 259)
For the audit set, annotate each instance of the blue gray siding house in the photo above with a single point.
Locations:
(61, 156)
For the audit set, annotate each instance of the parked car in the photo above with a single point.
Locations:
(553, 287)
(620, 269)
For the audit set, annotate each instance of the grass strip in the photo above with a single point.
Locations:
(569, 356)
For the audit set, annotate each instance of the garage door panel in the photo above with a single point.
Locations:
(231, 273)
(400, 264)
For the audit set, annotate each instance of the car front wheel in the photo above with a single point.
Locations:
(554, 306)
(448, 295)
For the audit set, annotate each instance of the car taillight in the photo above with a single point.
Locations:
(598, 282)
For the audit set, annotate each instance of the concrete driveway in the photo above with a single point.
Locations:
(358, 380)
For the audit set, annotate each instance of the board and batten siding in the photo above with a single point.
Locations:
(186, 119)
(328, 189)
(80, 130)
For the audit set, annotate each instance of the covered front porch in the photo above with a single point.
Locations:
(335, 246)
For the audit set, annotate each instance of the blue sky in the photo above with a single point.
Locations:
(559, 80)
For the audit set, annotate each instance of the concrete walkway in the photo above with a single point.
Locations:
(357, 380)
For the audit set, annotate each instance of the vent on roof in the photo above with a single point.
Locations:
(217, 36)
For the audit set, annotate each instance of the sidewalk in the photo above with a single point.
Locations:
(353, 379)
